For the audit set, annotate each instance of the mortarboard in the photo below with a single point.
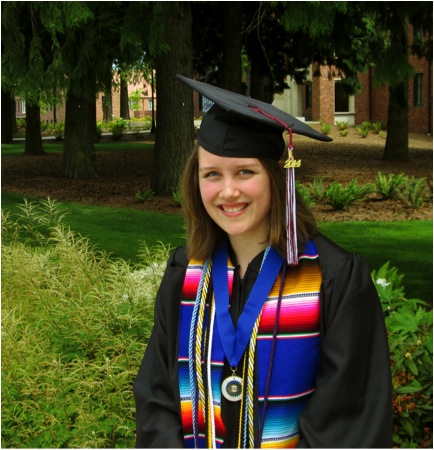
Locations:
(242, 127)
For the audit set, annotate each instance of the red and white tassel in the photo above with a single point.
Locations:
(291, 207)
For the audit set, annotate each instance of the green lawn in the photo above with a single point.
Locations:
(406, 244)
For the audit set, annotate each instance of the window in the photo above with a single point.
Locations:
(418, 90)
(149, 105)
(21, 106)
(342, 98)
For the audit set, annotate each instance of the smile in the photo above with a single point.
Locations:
(233, 209)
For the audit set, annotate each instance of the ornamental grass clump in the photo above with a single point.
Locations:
(340, 197)
(75, 323)
(409, 326)
(415, 192)
(389, 186)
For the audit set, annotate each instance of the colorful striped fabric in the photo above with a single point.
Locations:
(295, 362)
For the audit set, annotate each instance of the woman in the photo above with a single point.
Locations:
(266, 333)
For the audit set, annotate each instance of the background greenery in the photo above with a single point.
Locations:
(75, 323)
(406, 244)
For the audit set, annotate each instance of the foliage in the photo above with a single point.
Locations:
(177, 197)
(118, 127)
(342, 125)
(317, 189)
(363, 131)
(409, 325)
(341, 197)
(414, 193)
(377, 127)
(343, 133)
(388, 186)
(59, 130)
(145, 195)
(304, 193)
(75, 324)
(326, 128)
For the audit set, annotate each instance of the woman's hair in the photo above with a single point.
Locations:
(202, 232)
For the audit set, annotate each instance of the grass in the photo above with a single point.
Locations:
(57, 147)
(406, 244)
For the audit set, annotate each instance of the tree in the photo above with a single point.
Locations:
(353, 36)
(174, 134)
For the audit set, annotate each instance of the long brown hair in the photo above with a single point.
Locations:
(202, 232)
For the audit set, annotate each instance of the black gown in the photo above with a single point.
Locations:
(352, 404)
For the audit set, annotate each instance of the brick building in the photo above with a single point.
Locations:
(322, 98)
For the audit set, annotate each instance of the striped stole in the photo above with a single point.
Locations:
(296, 345)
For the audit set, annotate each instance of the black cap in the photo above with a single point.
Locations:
(239, 126)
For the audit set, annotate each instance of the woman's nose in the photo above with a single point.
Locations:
(229, 190)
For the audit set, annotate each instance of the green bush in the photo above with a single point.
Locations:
(118, 127)
(317, 189)
(340, 197)
(304, 193)
(326, 128)
(363, 132)
(75, 324)
(388, 186)
(414, 193)
(409, 325)
(145, 195)
(342, 125)
(59, 130)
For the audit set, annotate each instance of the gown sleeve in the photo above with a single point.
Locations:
(156, 392)
(352, 404)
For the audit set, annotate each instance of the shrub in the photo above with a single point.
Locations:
(145, 195)
(377, 127)
(118, 127)
(343, 133)
(304, 193)
(342, 125)
(326, 128)
(21, 124)
(414, 193)
(59, 130)
(341, 197)
(409, 325)
(177, 198)
(317, 189)
(388, 186)
(363, 132)
(75, 324)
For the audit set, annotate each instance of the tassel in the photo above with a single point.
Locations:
(291, 207)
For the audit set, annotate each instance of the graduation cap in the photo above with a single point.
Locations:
(242, 127)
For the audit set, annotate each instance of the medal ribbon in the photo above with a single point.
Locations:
(234, 341)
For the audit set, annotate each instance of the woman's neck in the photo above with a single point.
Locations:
(245, 252)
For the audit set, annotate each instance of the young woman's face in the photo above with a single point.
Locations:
(236, 194)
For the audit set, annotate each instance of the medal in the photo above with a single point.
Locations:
(232, 388)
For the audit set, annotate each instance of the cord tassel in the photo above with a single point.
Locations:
(291, 207)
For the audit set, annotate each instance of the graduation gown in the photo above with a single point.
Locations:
(352, 404)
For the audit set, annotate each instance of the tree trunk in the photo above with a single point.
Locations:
(231, 63)
(33, 145)
(125, 110)
(107, 107)
(8, 117)
(175, 134)
(80, 134)
(396, 148)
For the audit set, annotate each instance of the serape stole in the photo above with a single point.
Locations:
(283, 392)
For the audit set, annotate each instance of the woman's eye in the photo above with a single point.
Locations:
(246, 172)
(213, 173)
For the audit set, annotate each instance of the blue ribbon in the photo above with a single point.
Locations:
(235, 340)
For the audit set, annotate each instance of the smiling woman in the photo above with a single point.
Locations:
(266, 333)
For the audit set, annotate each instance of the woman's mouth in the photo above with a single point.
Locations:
(233, 209)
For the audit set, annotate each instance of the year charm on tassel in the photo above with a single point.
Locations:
(291, 163)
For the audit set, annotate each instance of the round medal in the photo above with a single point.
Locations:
(232, 388)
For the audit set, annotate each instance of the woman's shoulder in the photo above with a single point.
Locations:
(178, 257)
